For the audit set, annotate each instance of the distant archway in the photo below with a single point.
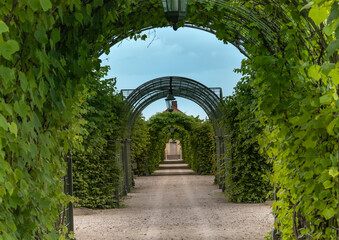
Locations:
(208, 99)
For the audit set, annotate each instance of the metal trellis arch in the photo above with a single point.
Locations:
(209, 99)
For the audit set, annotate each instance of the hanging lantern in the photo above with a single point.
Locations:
(175, 10)
(171, 128)
(170, 98)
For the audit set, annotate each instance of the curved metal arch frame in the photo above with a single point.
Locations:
(236, 44)
(236, 22)
(187, 88)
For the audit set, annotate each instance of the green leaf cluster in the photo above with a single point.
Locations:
(140, 147)
(198, 148)
(196, 138)
(247, 170)
(96, 164)
(49, 52)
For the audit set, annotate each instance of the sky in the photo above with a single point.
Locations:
(187, 52)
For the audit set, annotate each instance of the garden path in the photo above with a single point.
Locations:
(175, 204)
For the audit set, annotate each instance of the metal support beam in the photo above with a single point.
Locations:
(126, 164)
(70, 192)
(67, 214)
(218, 159)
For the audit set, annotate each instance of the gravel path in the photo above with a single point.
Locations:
(175, 206)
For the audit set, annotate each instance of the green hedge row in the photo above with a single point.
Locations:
(96, 165)
(196, 137)
(247, 170)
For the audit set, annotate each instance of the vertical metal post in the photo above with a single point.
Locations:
(124, 164)
(70, 192)
(218, 158)
(66, 216)
(227, 159)
(222, 163)
(274, 230)
(129, 164)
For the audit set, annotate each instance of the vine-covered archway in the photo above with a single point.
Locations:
(49, 49)
(209, 99)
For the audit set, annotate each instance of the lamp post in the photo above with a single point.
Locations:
(170, 98)
(171, 128)
(175, 10)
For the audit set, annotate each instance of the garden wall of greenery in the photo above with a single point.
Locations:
(247, 169)
(196, 138)
(49, 52)
(97, 175)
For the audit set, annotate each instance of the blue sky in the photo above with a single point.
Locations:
(186, 52)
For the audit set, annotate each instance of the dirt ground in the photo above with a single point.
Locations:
(175, 207)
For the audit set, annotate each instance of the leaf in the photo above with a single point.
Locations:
(307, 6)
(40, 35)
(34, 4)
(23, 81)
(326, 98)
(55, 35)
(328, 184)
(21, 108)
(3, 122)
(318, 14)
(314, 72)
(3, 27)
(78, 16)
(7, 74)
(330, 126)
(309, 175)
(326, 68)
(334, 13)
(42, 88)
(329, 213)
(333, 172)
(97, 3)
(334, 74)
(46, 4)
(9, 187)
(13, 128)
(18, 174)
(332, 47)
(8, 48)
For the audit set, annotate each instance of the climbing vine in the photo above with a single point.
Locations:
(97, 167)
(199, 148)
(247, 170)
(196, 139)
(140, 146)
(49, 49)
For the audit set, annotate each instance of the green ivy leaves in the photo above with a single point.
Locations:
(319, 13)
(40, 35)
(3, 122)
(46, 4)
(43, 83)
(7, 48)
(3, 27)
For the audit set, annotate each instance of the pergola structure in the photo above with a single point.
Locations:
(209, 99)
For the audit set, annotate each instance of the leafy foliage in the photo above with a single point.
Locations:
(49, 50)
(247, 170)
(198, 148)
(97, 169)
(196, 138)
(140, 146)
